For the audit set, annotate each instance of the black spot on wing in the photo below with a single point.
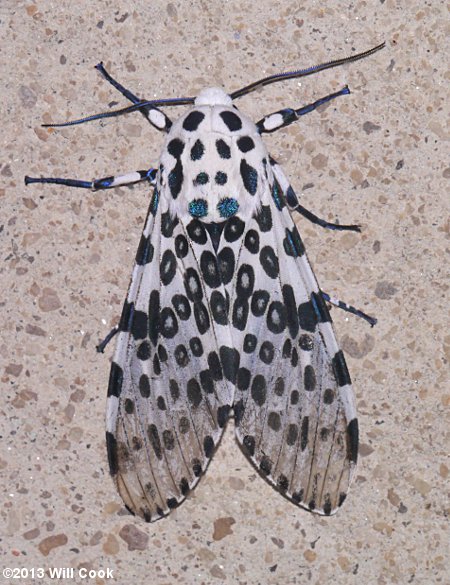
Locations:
(115, 380)
(309, 378)
(226, 264)
(220, 178)
(292, 434)
(144, 254)
(111, 446)
(192, 285)
(181, 355)
(201, 316)
(307, 316)
(245, 281)
(143, 352)
(197, 150)
(264, 218)
(208, 446)
(352, 440)
(153, 316)
(175, 147)
(240, 313)
(259, 390)
(194, 393)
(269, 261)
(223, 149)
(196, 231)
(340, 369)
(155, 441)
(210, 269)
(181, 246)
(250, 343)
(234, 228)
(168, 323)
(139, 323)
(223, 413)
(207, 382)
(249, 444)
(168, 224)
(196, 346)
(304, 433)
(175, 179)
(266, 352)
(229, 358)
(251, 241)
(243, 379)
(249, 177)
(274, 421)
(260, 300)
(215, 366)
(167, 267)
(181, 306)
(219, 308)
(276, 317)
(193, 120)
(144, 386)
(291, 310)
(245, 143)
(231, 120)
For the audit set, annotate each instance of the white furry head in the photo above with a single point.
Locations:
(213, 96)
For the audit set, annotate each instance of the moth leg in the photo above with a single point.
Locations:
(323, 223)
(104, 183)
(101, 346)
(345, 307)
(146, 111)
(294, 205)
(123, 90)
(283, 118)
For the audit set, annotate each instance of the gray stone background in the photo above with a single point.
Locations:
(378, 157)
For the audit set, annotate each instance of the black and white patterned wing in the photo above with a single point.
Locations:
(166, 385)
(295, 414)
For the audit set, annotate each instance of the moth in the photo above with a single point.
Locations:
(224, 317)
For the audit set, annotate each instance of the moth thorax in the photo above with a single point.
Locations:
(213, 96)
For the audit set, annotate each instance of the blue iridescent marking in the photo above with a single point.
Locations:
(276, 195)
(198, 208)
(316, 308)
(154, 202)
(227, 207)
(291, 243)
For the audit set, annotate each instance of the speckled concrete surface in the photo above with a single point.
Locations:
(378, 157)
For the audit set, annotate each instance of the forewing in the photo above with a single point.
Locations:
(294, 405)
(166, 384)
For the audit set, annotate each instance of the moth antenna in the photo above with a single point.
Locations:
(152, 104)
(303, 72)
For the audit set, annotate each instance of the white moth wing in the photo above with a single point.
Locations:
(166, 387)
(295, 415)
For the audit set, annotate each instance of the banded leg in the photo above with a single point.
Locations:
(104, 183)
(285, 117)
(145, 111)
(345, 307)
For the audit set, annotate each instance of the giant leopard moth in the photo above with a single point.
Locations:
(224, 316)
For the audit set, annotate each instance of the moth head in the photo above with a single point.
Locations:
(213, 96)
